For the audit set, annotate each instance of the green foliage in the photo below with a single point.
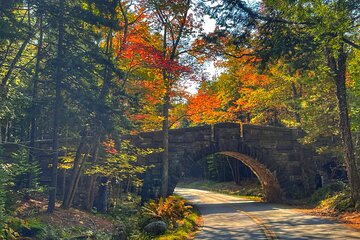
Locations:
(339, 202)
(50, 232)
(127, 219)
(4, 178)
(171, 210)
(20, 167)
(25, 228)
(326, 192)
(185, 228)
(12, 178)
(122, 164)
(213, 166)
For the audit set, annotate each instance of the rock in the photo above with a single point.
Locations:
(120, 232)
(156, 228)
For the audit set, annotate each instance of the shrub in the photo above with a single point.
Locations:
(327, 192)
(339, 202)
(12, 179)
(171, 210)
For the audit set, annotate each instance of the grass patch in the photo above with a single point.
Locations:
(248, 189)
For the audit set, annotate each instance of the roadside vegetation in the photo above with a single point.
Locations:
(128, 220)
(334, 201)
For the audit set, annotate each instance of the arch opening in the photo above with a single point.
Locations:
(267, 179)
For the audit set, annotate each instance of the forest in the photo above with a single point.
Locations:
(77, 76)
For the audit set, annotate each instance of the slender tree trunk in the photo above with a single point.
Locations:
(165, 160)
(338, 68)
(62, 180)
(58, 79)
(7, 131)
(169, 82)
(296, 96)
(6, 53)
(18, 55)
(232, 169)
(103, 195)
(74, 172)
(33, 111)
(90, 193)
(77, 179)
(165, 129)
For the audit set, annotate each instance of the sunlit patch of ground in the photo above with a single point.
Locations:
(250, 189)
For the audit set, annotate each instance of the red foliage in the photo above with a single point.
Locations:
(109, 145)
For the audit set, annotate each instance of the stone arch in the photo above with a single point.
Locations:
(267, 179)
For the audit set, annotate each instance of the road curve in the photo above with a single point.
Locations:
(231, 217)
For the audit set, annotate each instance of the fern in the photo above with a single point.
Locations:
(171, 210)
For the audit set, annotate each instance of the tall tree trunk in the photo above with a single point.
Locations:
(338, 68)
(165, 129)
(34, 101)
(103, 191)
(165, 159)
(169, 82)
(58, 80)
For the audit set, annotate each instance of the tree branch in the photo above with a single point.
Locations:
(357, 46)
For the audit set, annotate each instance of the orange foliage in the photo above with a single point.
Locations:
(204, 107)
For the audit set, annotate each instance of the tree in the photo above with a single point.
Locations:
(329, 30)
(58, 77)
(205, 107)
(174, 19)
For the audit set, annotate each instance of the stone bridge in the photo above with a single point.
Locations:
(284, 167)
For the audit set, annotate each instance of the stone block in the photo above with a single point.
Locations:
(284, 145)
(296, 170)
(293, 157)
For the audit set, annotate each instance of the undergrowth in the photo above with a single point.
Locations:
(335, 197)
(130, 219)
(127, 221)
